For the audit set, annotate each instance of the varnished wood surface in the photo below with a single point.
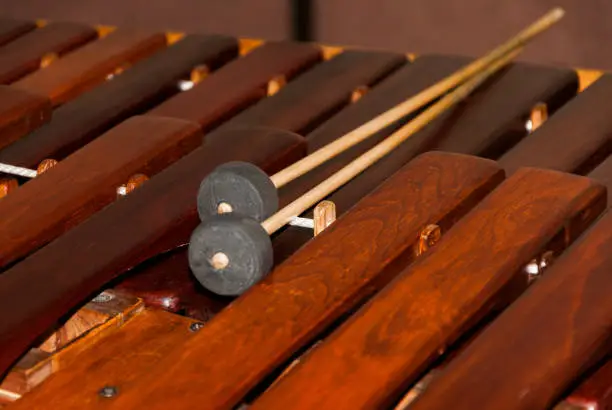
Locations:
(159, 215)
(603, 174)
(10, 29)
(333, 80)
(559, 328)
(87, 67)
(20, 113)
(575, 139)
(325, 279)
(492, 118)
(24, 55)
(595, 392)
(239, 84)
(85, 182)
(386, 345)
(138, 89)
(92, 322)
(143, 341)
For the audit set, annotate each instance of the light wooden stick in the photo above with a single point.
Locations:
(364, 131)
(361, 163)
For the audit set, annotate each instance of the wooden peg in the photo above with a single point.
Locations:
(45, 165)
(134, 182)
(7, 185)
(539, 114)
(428, 237)
(199, 73)
(275, 84)
(358, 93)
(324, 215)
(47, 59)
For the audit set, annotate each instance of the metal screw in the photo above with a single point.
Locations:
(108, 391)
(103, 297)
(195, 326)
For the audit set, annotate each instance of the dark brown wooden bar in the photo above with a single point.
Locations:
(334, 80)
(160, 215)
(489, 121)
(388, 343)
(575, 139)
(300, 298)
(26, 54)
(558, 329)
(139, 88)
(87, 67)
(20, 113)
(593, 393)
(88, 180)
(10, 29)
(239, 84)
(603, 174)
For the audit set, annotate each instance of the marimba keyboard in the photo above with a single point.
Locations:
(468, 268)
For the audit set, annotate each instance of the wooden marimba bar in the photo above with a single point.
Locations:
(468, 268)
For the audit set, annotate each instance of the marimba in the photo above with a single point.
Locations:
(469, 268)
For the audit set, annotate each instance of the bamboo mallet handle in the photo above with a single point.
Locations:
(301, 204)
(364, 131)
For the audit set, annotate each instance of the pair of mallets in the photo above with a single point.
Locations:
(237, 203)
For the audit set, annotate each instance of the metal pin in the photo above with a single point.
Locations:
(195, 326)
(19, 171)
(108, 392)
(103, 297)
(302, 222)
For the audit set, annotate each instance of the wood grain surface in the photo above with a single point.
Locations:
(87, 181)
(559, 328)
(370, 359)
(24, 55)
(20, 113)
(595, 391)
(574, 139)
(89, 324)
(603, 174)
(490, 120)
(329, 276)
(10, 29)
(116, 360)
(239, 84)
(158, 216)
(326, 88)
(89, 66)
(138, 89)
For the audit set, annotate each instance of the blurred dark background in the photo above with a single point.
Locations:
(468, 27)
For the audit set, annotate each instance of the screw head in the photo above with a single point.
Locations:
(195, 326)
(103, 297)
(108, 391)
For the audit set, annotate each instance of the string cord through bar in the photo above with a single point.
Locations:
(19, 171)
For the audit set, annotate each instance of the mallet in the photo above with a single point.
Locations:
(245, 189)
(229, 252)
